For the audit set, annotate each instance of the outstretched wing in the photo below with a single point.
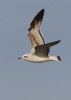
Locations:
(43, 50)
(34, 30)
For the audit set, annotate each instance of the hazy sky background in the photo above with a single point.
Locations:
(21, 80)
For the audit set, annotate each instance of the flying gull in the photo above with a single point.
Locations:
(40, 49)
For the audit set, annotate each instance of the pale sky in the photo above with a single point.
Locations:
(21, 80)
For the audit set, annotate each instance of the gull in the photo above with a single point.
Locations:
(40, 50)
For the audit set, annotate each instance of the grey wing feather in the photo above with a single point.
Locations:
(43, 50)
(53, 43)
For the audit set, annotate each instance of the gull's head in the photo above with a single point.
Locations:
(25, 56)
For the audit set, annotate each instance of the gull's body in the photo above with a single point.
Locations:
(40, 49)
(38, 59)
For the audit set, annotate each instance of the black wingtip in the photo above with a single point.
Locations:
(38, 18)
(56, 42)
(59, 40)
(40, 13)
(42, 10)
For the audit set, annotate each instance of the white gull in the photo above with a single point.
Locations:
(40, 49)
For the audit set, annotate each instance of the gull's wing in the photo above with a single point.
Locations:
(34, 30)
(43, 50)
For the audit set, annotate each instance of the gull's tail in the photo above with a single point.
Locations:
(59, 58)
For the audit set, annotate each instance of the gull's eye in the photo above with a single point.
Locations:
(25, 56)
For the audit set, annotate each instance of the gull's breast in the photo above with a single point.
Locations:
(37, 59)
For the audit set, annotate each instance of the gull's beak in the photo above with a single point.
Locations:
(19, 57)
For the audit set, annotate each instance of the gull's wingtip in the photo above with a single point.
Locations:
(59, 40)
(42, 10)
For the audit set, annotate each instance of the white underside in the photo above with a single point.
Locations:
(37, 59)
